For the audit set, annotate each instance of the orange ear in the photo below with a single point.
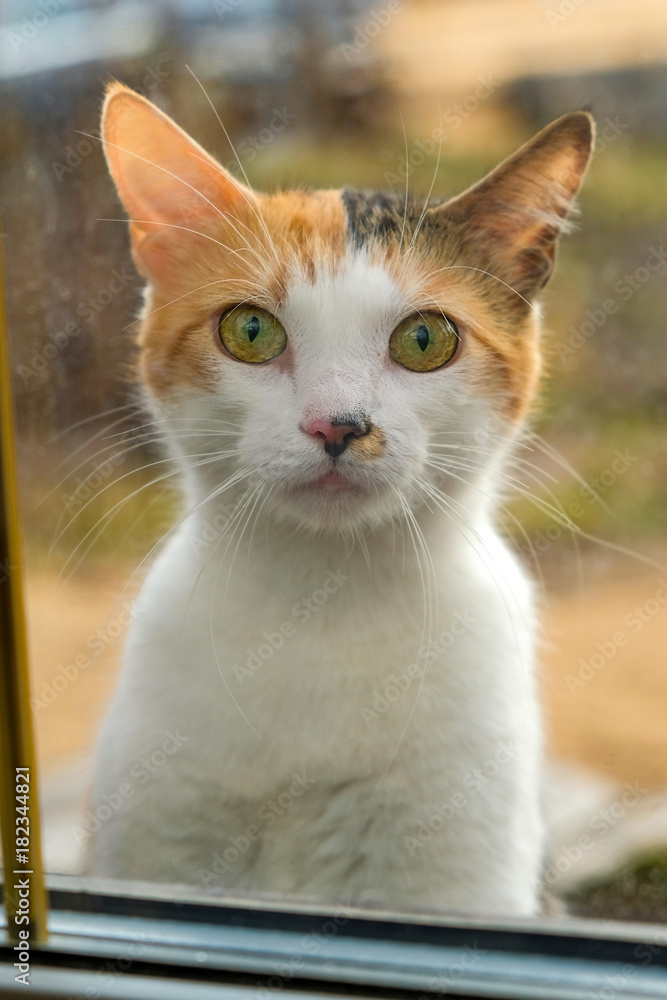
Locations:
(518, 211)
(165, 179)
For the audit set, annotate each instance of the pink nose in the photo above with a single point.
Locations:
(335, 434)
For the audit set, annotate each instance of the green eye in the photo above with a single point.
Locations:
(424, 342)
(251, 334)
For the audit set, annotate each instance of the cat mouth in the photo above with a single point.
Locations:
(331, 482)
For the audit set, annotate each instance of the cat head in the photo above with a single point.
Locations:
(343, 356)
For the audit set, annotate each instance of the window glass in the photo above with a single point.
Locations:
(350, 94)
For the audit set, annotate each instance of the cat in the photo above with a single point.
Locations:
(328, 689)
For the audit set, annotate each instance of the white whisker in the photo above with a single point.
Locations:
(254, 207)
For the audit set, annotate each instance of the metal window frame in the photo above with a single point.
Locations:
(115, 940)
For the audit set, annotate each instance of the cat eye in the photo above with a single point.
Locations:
(424, 342)
(251, 334)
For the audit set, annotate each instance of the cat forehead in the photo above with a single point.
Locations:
(321, 229)
(357, 292)
(366, 280)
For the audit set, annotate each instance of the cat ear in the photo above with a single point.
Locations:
(165, 180)
(519, 210)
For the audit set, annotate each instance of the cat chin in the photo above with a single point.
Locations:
(328, 507)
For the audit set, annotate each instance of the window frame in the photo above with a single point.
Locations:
(18, 758)
(132, 943)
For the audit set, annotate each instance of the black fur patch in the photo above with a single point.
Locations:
(379, 217)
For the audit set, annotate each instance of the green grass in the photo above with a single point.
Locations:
(121, 520)
(617, 495)
(638, 892)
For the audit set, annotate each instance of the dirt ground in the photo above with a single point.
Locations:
(605, 677)
(604, 670)
(75, 639)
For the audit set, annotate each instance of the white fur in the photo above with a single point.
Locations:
(429, 801)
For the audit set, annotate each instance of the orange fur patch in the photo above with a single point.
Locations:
(251, 259)
(370, 445)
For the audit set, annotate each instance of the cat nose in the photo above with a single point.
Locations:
(336, 434)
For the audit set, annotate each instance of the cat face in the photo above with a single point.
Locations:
(343, 357)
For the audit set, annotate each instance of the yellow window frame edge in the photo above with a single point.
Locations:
(22, 881)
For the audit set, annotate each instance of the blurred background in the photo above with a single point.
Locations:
(351, 93)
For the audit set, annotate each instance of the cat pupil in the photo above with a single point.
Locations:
(252, 328)
(422, 337)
